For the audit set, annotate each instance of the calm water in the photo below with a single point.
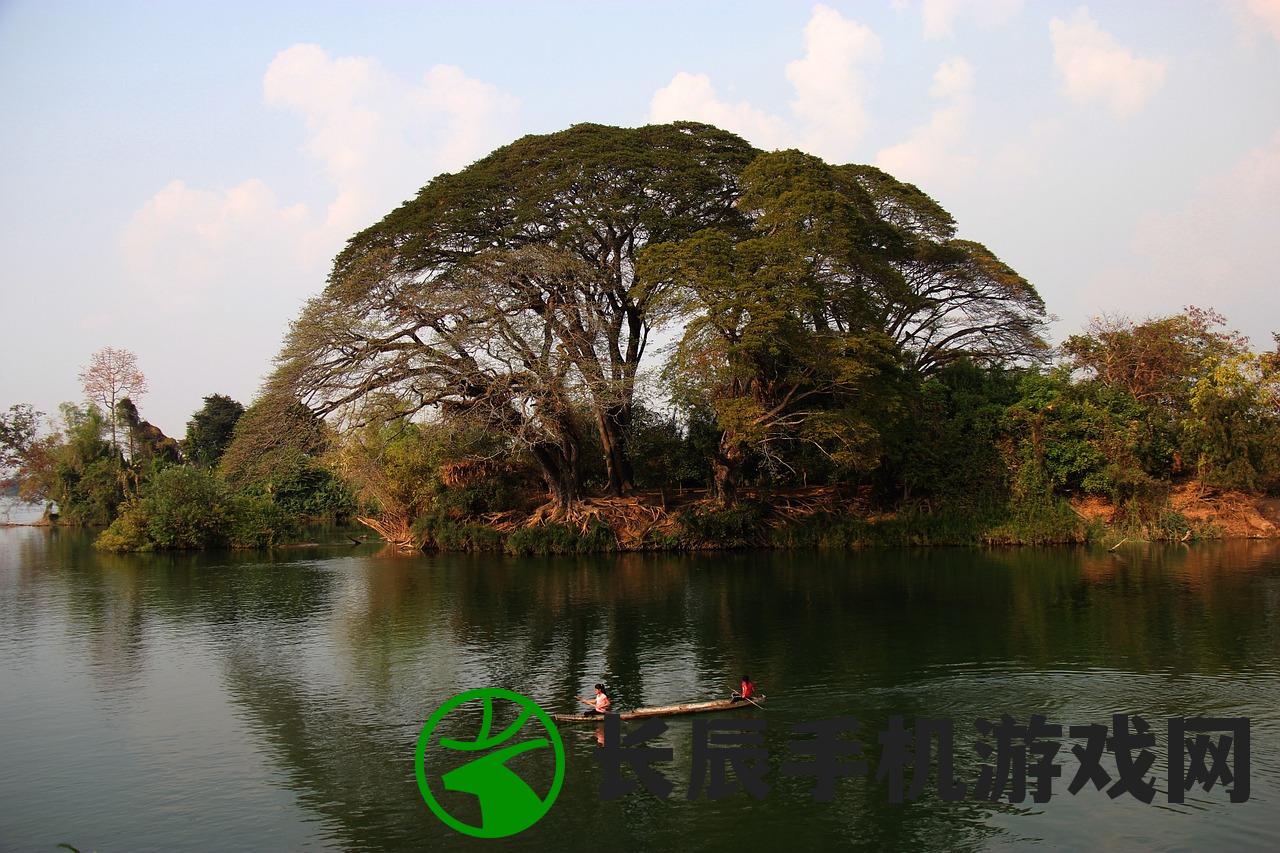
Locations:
(250, 701)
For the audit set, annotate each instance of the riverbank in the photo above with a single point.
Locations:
(1212, 513)
(828, 517)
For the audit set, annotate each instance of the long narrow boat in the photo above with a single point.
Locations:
(664, 710)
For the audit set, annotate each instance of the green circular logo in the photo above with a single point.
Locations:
(508, 804)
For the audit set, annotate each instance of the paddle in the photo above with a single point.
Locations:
(748, 698)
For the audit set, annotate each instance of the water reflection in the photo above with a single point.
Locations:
(324, 662)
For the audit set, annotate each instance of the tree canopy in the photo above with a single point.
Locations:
(521, 293)
(111, 375)
(210, 429)
(841, 275)
(509, 290)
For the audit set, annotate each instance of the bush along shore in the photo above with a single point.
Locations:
(841, 369)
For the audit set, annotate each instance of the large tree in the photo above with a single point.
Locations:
(510, 289)
(111, 375)
(780, 338)
(387, 345)
(840, 272)
(950, 299)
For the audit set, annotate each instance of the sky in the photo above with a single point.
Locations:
(176, 178)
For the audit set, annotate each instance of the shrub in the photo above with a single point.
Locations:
(737, 526)
(554, 538)
(126, 533)
(436, 530)
(256, 522)
(186, 508)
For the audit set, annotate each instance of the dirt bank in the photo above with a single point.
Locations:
(1227, 513)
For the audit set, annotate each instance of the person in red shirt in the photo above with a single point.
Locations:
(748, 690)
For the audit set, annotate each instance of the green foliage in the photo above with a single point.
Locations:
(942, 447)
(1233, 425)
(555, 538)
(184, 508)
(275, 430)
(307, 489)
(92, 491)
(738, 526)
(432, 479)
(1042, 519)
(909, 528)
(440, 532)
(450, 524)
(278, 451)
(18, 429)
(188, 508)
(256, 522)
(210, 430)
(664, 454)
(1092, 438)
(76, 468)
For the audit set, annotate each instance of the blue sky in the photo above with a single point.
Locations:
(175, 178)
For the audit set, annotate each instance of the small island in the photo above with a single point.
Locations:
(663, 338)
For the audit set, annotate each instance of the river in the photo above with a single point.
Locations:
(244, 701)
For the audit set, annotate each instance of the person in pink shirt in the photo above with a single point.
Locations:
(601, 703)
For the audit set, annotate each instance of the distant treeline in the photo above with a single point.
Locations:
(479, 373)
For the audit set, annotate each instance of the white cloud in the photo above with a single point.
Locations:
(954, 78)
(939, 16)
(829, 82)
(380, 137)
(828, 113)
(931, 155)
(1095, 67)
(242, 259)
(1219, 250)
(692, 96)
(1266, 13)
(184, 243)
(377, 137)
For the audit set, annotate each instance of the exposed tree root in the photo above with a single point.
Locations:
(395, 529)
(641, 520)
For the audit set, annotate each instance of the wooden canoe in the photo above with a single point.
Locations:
(663, 710)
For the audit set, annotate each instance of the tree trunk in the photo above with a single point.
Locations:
(726, 469)
(563, 489)
(561, 473)
(612, 424)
